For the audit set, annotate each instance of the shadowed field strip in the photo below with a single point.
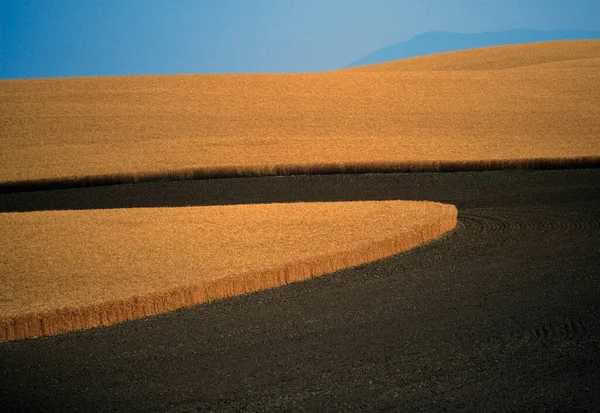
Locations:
(492, 108)
(70, 270)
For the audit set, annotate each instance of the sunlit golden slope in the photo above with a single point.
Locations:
(497, 58)
(385, 116)
(68, 270)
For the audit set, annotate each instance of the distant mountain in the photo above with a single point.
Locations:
(439, 42)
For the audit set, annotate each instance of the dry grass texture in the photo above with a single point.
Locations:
(70, 270)
(488, 108)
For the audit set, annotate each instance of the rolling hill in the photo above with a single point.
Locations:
(498, 107)
(441, 42)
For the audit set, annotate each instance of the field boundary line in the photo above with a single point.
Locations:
(296, 169)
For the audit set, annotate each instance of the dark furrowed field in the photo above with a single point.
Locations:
(499, 315)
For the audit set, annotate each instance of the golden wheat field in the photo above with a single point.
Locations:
(68, 270)
(522, 105)
(502, 106)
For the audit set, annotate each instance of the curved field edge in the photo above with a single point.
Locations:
(309, 169)
(398, 226)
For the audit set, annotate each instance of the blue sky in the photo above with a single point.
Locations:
(58, 38)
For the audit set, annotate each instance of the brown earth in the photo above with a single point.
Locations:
(504, 106)
(500, 315)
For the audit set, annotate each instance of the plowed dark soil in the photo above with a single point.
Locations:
(502, 314)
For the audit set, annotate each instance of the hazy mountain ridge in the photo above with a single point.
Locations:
(440, 42)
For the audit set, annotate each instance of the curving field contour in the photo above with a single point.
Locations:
(69, 270)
